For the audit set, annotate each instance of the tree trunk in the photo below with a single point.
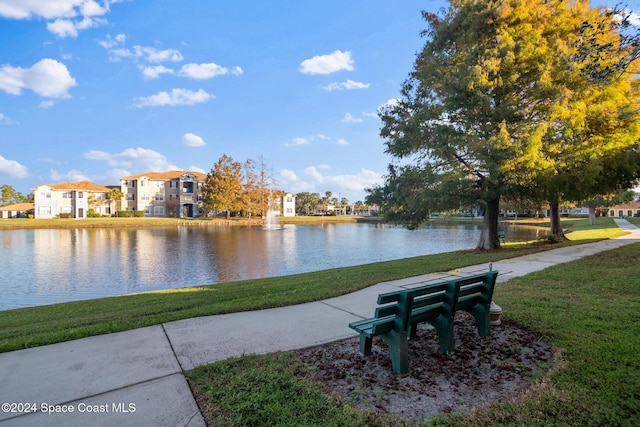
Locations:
(489, 237)
(592, 215)
(556, 227)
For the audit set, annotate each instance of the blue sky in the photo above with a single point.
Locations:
(99, 89)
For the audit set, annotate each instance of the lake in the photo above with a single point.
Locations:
(48, 266)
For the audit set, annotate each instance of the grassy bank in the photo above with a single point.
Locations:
(588, 310)
(35, 326)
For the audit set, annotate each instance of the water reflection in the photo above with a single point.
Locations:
(50, 265)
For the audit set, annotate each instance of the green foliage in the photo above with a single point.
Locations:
(499, 101)
(9, 196)
(223, 188)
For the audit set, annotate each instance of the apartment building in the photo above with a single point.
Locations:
(164, 194)
(71, 198)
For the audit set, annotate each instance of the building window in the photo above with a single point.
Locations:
(45, 194)
(67, 195)
(65, 209)
(159, 184)
(159, 197)
(158, 210)
(145, 197)
(131, 196)
(80, 195)
(147, 210)
(173, 184)
(44, 210)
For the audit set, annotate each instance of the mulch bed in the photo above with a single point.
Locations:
(480, 371)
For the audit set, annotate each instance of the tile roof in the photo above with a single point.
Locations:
(164, 176)
(79, 185)
(17, 207)
(634, 205)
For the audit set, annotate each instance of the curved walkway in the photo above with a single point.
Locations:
(135, 378)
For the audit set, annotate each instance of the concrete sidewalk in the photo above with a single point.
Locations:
(135, 378)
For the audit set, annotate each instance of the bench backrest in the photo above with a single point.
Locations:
(429, 301)
(476, 289)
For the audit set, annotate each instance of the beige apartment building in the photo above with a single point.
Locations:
(174, 193)
(72, 198)
(164, 194)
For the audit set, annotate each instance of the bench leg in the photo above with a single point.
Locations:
(446, 335)
(482, 314)
(397, 342)
(365, 344)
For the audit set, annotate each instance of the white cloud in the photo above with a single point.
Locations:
(348, 85)
(348, 118)
(59, 13)
(175, 97)
(68, 28)
(146, 53)
(48, 78)
(155, 71)
(4, 120)
(112, 42)
(71, 176)
(316, 180)
(288, 175)
(12, 169)
(46, 104)
(62, 28)
(193, 140)
(197, 169)
(341, 141)
(327, 64)
(298, 141)
(48, 9)
(389, 104)
(140, 159)
(206, 71)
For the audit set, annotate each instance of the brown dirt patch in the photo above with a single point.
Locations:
(480, 371)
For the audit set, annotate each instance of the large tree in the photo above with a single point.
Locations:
(482, 101)
(259, 183)
(223, 187)
(10, 196)
(588, 146)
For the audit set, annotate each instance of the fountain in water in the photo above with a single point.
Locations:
(271, 222)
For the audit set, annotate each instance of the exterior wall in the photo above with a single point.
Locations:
(625, 210)
(169, 195)
(49, 202)
(288, 205)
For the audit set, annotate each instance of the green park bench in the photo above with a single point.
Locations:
(399, 313)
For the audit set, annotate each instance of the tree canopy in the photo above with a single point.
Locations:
(497, 105)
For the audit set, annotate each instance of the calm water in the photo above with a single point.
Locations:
(49, 266)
